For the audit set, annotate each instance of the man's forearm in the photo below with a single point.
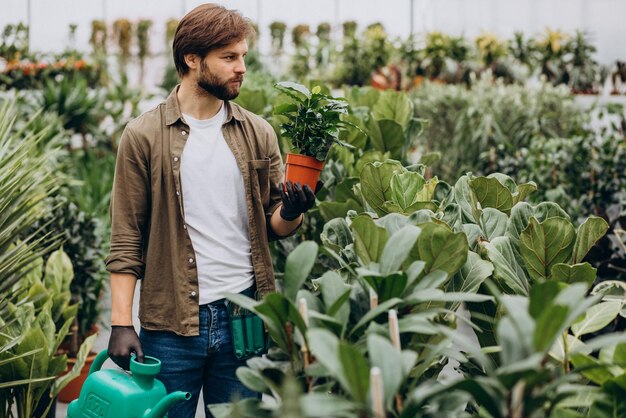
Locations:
(122, 293)
(282, 227)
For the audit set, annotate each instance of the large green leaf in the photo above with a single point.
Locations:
(298, 267)
(578, 273)
(398, 248)
(490, 193)
(588, 233)
(332, 210)
(591, 368)
(335, 294)
(596, 318)
(395, 106)
(493, 223)
(392, 136)
(440, 248)
(405, 187)
(369, 239)
(522, 212)
(336, 235)
(376, 183)
(386, 287)
(383, 354)
(320, 405)
(550, 325)
(542, 245)
(506, 268)
(472, 274)
(463, 197)
(355, 372)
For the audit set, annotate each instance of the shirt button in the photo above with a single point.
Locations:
(190, 261)
(184, 226)
(175, 159)
(193, 294)
(183, 133)
(177, 193)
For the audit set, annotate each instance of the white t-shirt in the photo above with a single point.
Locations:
(215, 210)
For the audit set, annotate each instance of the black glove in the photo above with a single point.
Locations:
(296, 199)
(123, 341)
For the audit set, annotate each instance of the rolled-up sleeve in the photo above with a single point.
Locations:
(130, 203)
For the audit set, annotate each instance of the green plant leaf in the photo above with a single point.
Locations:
(596, 318)
(589, 232)
(369, 239)
(522, 212)
(493, 223)
(326, 405)
(506, 268)
(383, 354)
(523, 191)
(394, 106)
(472, 274)
(405, 187)
(372, 314)
(392, 136)
(463, 197)
(542, 245)
(440, 248)
(355, 371)
(388, 286)
(578, 273)
(376, 183)
(298, 267)
(253, 380)
(550, 325)
(490, 193)
(398, 248)
(591, 368)
(336, 235)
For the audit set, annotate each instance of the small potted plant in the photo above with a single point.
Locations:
(313, 124)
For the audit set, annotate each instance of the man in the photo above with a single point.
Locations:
(195, 199)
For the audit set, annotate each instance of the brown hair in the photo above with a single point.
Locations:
(205, 28)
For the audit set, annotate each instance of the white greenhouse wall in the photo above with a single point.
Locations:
(603, 19)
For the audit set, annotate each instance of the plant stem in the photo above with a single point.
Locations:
(566, 367)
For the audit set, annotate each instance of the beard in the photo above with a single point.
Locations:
(212, 84)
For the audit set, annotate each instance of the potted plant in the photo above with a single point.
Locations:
(313, 123)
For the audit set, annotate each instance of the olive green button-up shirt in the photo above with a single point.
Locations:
(149, 237)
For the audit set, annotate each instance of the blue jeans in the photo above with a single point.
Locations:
(202, 362)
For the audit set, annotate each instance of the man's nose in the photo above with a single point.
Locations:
(241, 66)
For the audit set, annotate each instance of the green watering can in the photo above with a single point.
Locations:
(112, 393)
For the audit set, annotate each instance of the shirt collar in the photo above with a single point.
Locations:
(173, 113)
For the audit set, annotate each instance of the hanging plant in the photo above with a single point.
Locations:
(143, 38)
(349, 29)
(122, 31)
(299, 35)
(170, 31)
(98, 39)
(143, 42)
(323, 32)
(277, 31)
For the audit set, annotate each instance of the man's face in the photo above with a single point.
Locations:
(221, 71)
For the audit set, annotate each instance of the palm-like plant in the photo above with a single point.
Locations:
(26, 178)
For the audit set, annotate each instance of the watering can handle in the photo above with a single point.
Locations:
(99, 361)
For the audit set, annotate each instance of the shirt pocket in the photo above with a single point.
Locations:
(260, 179)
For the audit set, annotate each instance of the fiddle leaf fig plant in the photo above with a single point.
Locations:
(313, 119)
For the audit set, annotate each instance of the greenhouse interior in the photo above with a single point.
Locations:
(334, 208)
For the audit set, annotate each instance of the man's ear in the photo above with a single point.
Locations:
(192, 61)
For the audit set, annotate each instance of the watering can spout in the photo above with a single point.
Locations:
(161, 408)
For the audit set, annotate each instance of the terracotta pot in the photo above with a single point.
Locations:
(303, 169)
(72, 390)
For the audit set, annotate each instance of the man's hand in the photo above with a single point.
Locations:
(124, 341)
(296, 199)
